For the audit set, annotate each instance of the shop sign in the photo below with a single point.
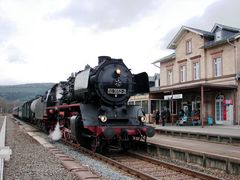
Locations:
(174, 96)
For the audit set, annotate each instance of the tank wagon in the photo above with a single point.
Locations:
(91, 106)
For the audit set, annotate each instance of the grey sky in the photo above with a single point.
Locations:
(14, 55)
(224, 12)
(44, 41)
(108, 14)
(6, 29)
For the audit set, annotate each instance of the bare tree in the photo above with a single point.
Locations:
(7, 106)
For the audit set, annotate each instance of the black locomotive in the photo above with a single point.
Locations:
(92, 108)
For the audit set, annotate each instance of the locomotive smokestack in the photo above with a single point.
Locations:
(103, 58)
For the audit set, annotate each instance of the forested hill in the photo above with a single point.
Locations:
(23, 92)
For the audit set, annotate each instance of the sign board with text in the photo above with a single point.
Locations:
(174, 96)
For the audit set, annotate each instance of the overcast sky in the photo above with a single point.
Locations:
(44, 41)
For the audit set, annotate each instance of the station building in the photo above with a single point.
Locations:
(149, 101)
(201, 75)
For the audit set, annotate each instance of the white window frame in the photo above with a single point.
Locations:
(218, 35)
(189, 46)
(196, 70)
(183, 73)
(217, 63)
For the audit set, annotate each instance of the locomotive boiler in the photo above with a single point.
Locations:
(91, 107)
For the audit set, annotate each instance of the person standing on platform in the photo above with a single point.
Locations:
(157, 117)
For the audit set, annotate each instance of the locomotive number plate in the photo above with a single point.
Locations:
(116, 91)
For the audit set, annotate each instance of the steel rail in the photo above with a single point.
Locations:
(110, 161)
(138, 173)
(174, 167)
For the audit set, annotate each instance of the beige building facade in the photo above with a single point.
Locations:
(202, 76)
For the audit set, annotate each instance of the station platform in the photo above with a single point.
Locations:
(225, 150)
(211, 146)
(215, 129)
(215, 133)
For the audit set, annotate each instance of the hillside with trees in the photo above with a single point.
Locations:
(13, 95)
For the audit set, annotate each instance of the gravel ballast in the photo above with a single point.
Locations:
(30, 160)
(97, 166)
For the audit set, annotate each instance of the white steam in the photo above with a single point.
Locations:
(56, 134)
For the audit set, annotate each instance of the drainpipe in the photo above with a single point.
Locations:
(236, 71)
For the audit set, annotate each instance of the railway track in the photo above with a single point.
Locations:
(150, 168)
(145, 167)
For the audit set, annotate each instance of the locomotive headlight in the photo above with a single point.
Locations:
(102, 118)
(142, 118)
(118, 71)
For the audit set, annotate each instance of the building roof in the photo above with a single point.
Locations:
(185, 29)
(201, 32)
(166, 58)
(224, 27)
(235, 34)
(194, 88)
(226, 39)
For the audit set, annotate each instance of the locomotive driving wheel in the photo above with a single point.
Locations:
(125, 141)
(95, 144)
(98, 145)
(66, 134)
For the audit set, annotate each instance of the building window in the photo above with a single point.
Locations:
(157, 82)
(142, 103)
(183, 73)
(169, 77)
(145, 106)
(188, 46)
(217, 66)
(130, 102)
(218, 35)
(196, 71)
(155, 105)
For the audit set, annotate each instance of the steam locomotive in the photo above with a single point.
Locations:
(91, 106)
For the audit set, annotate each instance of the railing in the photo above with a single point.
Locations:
(5, 151)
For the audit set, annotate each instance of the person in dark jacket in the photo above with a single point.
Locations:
(157, 117)
(163, 115)
(181, 113)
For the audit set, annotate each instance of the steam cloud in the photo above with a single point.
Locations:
(56, 134)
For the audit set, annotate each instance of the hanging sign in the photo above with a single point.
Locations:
(174, 96)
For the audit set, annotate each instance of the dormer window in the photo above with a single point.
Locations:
(218, 35)
(189, 46)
